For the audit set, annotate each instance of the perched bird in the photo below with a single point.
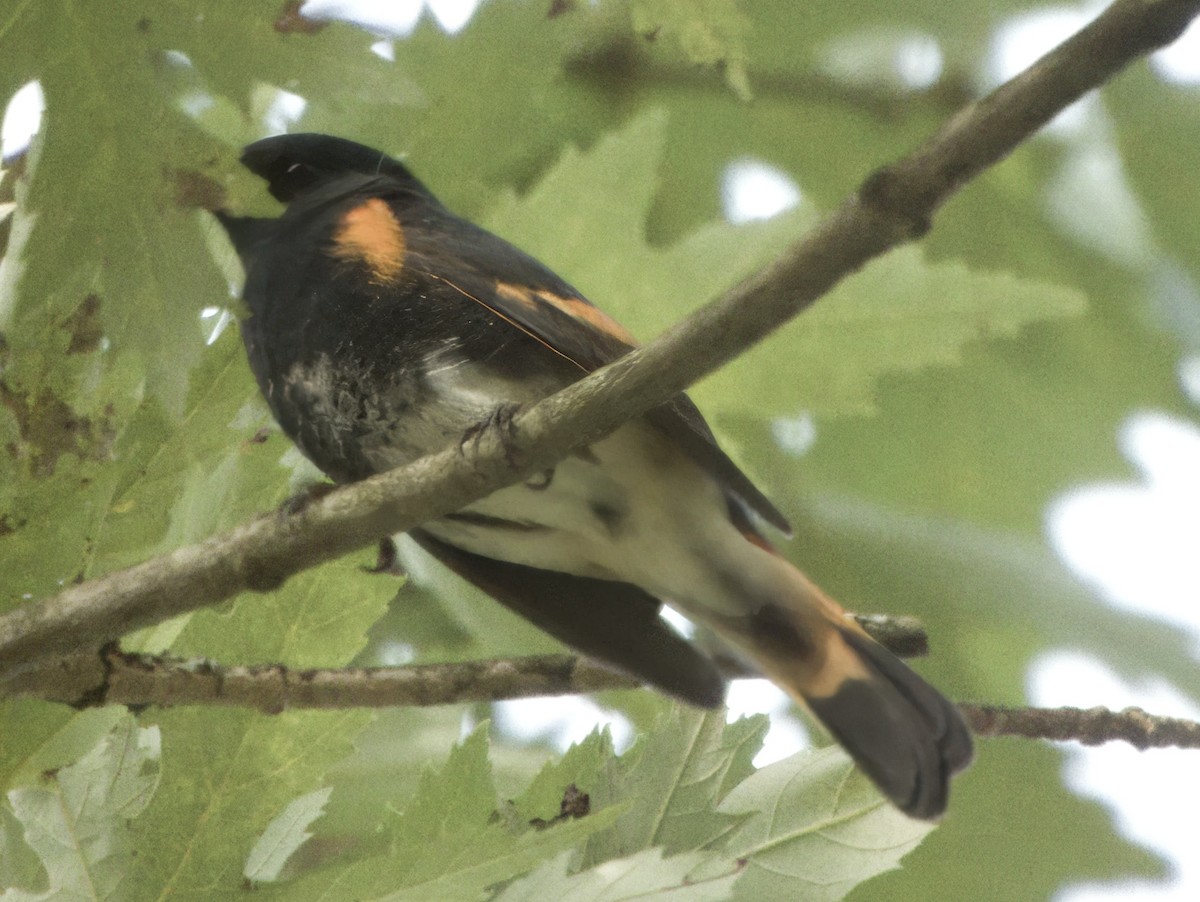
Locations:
(383, 327)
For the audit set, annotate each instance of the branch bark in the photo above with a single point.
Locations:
(1091, 726)
(88, 679)
(115, 677)
(893, 206)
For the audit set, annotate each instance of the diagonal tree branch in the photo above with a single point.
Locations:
(893, 206)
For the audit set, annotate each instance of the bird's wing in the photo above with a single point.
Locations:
(528, 296)
(614, 622)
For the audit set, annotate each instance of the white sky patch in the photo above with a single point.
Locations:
(561, 721)
(398, 18)
(795, 435)
(919, 61)
(1026, 37)
(452, 15)
(884, 58)
(1189, 377)
(22, 119)
(751, 189)
(1091, 199)
(467, 725)
(1153, 794)
(678, 622)
(394, 653)
(787, 734)
(284, 109)
(1179, 63)
(194, 100)
(1136, 543)
(215, 320)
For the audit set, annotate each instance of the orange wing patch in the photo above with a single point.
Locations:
(576, 308)
(371, 234)
(518, 294)
(594, 316)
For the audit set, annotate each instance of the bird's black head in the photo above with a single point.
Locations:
(293, 165)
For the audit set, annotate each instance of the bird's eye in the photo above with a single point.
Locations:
(294, 167)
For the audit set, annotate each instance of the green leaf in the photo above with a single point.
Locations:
(898, 315)
(284, 835)
(449, 842)
(709, 32)
(584, 765)
(20, 866)
(105, 198)
(813, 828)
(475, 111)
(645, 876)
(216, 465)
(227, 773)
(77, 823)
(676, 776)
(36, 737)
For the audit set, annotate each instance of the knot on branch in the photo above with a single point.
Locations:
(498, 428)
(901, 201)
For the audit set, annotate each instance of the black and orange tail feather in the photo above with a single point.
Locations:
(904, 734)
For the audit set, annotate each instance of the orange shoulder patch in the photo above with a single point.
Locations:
(371, 234)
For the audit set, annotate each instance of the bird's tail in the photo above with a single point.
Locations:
(903, 734)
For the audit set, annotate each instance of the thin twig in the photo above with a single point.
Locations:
(893, 207)
(87, 679)
(1091, 726)
(115, 677)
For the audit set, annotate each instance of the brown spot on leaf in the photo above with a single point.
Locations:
(559, 7)
(195, 189)
(50, 428)
(292, 21)
(259, 438)
(575, 803)
(85, 326)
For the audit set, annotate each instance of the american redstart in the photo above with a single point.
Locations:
(383, 328)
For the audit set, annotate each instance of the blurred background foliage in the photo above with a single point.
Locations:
(919, 426)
